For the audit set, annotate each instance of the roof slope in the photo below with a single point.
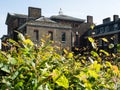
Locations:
(19, 15)
(45, 19)
(11, 16)
(68, 18)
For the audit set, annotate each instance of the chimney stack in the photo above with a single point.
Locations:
(115, 17)
(106, 20)
(90, 19)
(34, 12)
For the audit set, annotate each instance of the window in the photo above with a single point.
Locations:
(77, 39)
(97, 31)
(107, 29)
(101, 30)
(36, 33)
(51, 35)
(115, 26)
(63, 36)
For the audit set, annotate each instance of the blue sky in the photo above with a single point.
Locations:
(99, 9)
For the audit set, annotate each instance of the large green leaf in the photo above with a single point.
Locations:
(118, 48)
(60, 78)
(15, 75)
(5, 68)
(12, 60)
(1, 65)
(105, 40)
(94, 53)
(106, 53)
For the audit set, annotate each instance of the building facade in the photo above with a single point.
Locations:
(109, 30)
(66, 30)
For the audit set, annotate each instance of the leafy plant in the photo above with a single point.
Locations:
(29, 67)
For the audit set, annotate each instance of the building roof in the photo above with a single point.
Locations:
(107, 24)
(67, 18)
(11, 16)
(42, 24)
(45, 19)
(107, 33)
(19, 15)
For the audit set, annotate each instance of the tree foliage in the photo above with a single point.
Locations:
(29, 67)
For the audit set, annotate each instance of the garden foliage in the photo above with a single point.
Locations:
(46, 67)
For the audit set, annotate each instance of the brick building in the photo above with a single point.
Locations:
(68, 31)
(109, 30)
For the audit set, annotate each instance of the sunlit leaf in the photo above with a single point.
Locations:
(92, 26)
(12, 60)
(5, 69)
(77, 49)
(94, 53)
(28, 42)
(70, 55)
(65, 51)
(108, 64)
(96, 66)
(88, 86)
(115, 69)
(91, 60)
(111, 46)
(106, 53)
(60, 78)
(118, 48)
(91, 39)
(18, 85)
(113, 55)
(15, 75)
(20, 36)
(93, 74)
(13, 42)
(104, 39)
(94, 45)
(1, 65)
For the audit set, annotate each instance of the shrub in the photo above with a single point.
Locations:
(29, 67)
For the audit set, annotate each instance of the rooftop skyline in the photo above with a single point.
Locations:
(99, 9)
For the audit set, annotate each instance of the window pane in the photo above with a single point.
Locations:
(63, 36)
(36, 35)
